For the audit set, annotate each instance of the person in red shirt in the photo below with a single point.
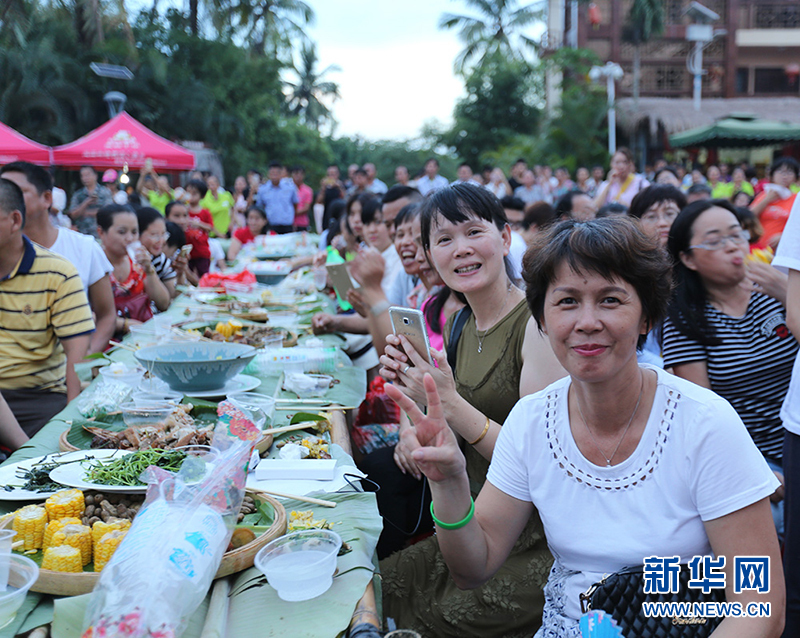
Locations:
(305, 197)
(196, 235)
(256, 225)
(774, 203)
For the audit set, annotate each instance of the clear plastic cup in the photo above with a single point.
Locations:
(138, 416)
(300, 565)
(144, 398)
(120, 373)
(320, 278)
(6, 536)
(273, 341)
(22, 574)
(253, 401)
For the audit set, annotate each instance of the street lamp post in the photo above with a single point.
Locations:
(611, 72)
(701, 33)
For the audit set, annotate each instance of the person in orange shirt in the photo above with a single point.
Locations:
(774, 203)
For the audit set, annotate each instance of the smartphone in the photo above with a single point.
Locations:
(411, 324)
(341, 279)
(186, 250)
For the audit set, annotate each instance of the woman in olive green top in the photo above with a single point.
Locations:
(500, 357)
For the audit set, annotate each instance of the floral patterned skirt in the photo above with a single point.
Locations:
(419, 594)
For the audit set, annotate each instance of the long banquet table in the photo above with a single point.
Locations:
(243, 604)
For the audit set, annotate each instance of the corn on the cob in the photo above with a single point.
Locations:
(54, 526)
(63, 558)
(65, 503)
(29, 524)
(78, 536)
(100, 529)
(106, 547)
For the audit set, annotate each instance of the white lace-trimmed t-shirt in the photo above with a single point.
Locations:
(695, 462)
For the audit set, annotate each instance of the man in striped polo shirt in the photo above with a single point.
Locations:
(45, 320)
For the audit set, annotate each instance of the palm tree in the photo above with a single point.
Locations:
(307, 94)
(267, 26)
(645, 21)
(498, 30)
(88, 16)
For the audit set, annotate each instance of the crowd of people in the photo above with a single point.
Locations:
(612, 373)
(617, 388)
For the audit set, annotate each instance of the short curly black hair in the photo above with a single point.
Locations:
(611, 247)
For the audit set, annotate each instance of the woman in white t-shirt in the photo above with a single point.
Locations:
(622, 461)
(788, 256)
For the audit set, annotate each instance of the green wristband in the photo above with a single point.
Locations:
(460, 523)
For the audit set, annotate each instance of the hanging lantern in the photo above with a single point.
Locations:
(594, 15)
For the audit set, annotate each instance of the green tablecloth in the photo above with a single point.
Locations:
(356, 515)
(256, 611)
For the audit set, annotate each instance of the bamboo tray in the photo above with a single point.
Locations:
(264, 443)
(75, 584)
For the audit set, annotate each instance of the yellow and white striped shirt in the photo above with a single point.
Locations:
(41, 302)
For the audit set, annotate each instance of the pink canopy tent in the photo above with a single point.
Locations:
(122, 140)
(15, 147)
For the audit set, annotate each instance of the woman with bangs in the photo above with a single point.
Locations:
(621, 461)
(499, 357)
(726, 328)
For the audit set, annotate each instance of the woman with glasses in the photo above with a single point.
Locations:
(623, 462)
(656, 207)
(726, 332)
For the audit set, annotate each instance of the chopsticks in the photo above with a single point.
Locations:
(320, 403)
(291, 428)
(122, 346)
(304, 499)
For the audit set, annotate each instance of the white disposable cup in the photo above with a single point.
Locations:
(6, 537)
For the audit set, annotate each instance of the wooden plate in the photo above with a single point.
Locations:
(65, 446)
(75, 584)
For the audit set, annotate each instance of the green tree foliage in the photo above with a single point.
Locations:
(576, 135)
(388, 155)
(498, 30)
(498, 107)
(645, 21)
(307, 94)
(270, 27)
(185, 87)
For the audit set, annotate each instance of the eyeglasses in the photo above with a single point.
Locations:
(156, 237)
(737, 239)
(667, 215)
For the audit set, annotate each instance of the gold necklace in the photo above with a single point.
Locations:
(485, 332)
(627, 427)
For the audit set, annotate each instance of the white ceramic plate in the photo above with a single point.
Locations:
(8, 473)
(239, 383)
(8, 476)
(74, 474)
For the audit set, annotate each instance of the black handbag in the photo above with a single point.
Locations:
(622, 594)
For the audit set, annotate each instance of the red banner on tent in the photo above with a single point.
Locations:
(123, 140)
(15, 147)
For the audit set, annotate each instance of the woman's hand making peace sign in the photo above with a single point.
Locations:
(431, 441)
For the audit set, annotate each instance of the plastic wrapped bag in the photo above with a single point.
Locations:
(104, 397)
(161, 572)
